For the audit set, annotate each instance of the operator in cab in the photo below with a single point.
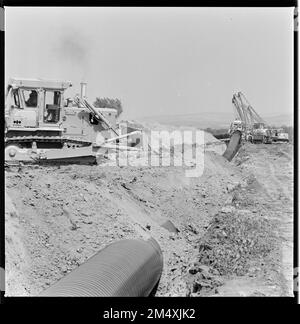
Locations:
(32, 101)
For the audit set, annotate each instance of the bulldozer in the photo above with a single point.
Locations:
(279, 135)
(43, 125)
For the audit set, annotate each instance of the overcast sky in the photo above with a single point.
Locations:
(159, 61)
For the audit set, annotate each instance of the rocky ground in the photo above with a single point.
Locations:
(235, 222)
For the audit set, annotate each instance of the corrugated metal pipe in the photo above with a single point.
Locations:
(124, 268)
(233, 146)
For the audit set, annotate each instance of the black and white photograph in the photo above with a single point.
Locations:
(149, 152)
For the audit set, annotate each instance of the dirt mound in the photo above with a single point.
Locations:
(151, 126)
(16, 255)
(68, 213)
(233, 241)
(57, 217)
(242, 252)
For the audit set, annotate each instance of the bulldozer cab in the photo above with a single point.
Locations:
(34, 104)
(51, 106)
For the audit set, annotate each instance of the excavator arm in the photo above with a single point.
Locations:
(254, 116)
(240, 108)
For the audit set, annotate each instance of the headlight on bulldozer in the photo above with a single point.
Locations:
(12, 152)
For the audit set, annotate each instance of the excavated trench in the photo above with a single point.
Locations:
(137, 278)
(124, 268)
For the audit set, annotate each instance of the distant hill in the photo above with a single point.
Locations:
(212, 120)
(204, 120)
(279, 120)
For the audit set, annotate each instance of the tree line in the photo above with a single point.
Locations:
(114, 103)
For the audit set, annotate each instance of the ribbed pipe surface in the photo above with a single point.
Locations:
(233, 146)
(123, 268)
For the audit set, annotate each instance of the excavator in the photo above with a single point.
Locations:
(247, 126)
(253, 127)
(41, 125)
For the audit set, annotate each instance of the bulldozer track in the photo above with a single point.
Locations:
(35, 138)
(68, 141)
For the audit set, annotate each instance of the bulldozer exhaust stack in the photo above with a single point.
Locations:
(83, 86)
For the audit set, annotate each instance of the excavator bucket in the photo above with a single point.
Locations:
(233, 146)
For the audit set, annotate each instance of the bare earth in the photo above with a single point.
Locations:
(235, 222)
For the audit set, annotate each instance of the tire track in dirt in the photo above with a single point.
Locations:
(272, 167)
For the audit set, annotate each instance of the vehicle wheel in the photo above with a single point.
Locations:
(11, 151)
